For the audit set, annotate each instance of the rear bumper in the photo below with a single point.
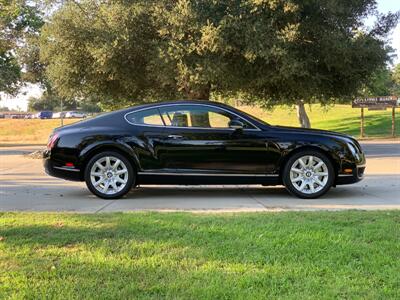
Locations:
(356, 176)
(53, 169)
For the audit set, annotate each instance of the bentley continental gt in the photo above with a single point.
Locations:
(199, 142)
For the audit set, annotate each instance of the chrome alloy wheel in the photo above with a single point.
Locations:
(109, 175)
(309, 174)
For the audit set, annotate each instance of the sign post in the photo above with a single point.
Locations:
(376, 103)
(362, 123)
(393, 122)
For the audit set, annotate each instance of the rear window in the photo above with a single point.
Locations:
(145, 117)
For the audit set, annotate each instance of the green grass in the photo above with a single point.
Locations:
(303, 255)
(341, 118)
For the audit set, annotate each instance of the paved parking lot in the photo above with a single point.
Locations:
(25, 187)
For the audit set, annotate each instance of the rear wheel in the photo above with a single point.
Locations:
(308, 174)
(109, 175)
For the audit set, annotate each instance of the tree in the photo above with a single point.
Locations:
(380, 83)
(49, 101)
(270, 51)
(19, 19)
(396, 80)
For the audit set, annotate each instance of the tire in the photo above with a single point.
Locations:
(108, 179)
(308, 174)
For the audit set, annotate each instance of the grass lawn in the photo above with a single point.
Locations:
(341, 118)
(295, 255)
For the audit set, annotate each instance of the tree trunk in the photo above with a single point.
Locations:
(200, 119)
(302, 115)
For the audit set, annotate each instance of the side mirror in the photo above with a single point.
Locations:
(236, 124)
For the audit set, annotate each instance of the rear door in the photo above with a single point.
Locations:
(147, 137)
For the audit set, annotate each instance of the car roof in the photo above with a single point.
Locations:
(166, 103)
(106, 117)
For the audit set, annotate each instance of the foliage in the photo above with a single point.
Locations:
(270, 51)
(396, 80)
(19, 20)
(287, 255)
(380, 83)
(51, 101)
(383, 82)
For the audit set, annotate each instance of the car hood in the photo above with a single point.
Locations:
(314, 132)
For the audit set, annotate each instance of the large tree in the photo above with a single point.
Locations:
(19, 20)
(270, 51)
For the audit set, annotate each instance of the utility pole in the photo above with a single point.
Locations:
(61, 113)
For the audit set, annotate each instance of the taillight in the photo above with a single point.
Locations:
(52, 141)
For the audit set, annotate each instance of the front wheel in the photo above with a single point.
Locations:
(308, 174)
(109, 175)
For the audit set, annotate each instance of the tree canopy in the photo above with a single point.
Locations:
(274, 50)
(19, 20)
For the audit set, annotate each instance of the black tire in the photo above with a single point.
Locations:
(130, 174)
(309, 195)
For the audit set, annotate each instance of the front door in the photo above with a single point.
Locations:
(198, 139)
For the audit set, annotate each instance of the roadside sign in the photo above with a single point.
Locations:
(372, 102)
(377, 103)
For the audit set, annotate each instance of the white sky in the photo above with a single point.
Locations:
(20, 102)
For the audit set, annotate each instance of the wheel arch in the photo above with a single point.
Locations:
(127, 152)
(333, 159)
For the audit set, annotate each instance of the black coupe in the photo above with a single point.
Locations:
(199, 142)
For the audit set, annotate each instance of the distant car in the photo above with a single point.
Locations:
(45, 115)
(59, 115)
(29, 116)
(75, 114)
(199, 142)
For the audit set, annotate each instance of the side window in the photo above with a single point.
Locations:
(198, 116)
(145, 117)
(218, 120)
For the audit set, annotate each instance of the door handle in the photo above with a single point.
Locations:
(175, 137)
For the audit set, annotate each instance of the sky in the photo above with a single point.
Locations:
(20, 102)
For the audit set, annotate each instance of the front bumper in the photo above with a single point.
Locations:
(356, 176)
(357, 163)
(56, 170)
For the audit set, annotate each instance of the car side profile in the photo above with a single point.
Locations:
(75, 114)
(199, 142)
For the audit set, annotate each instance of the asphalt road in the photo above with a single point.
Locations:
(25, 187)
(381, 149)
